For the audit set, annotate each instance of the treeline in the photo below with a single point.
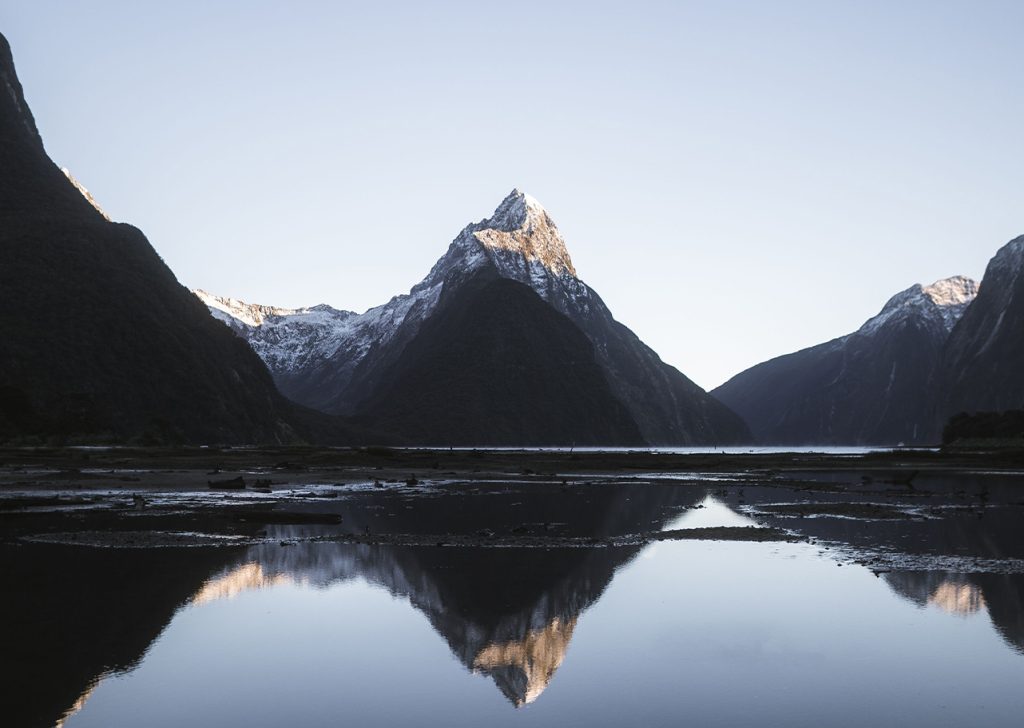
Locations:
(1007, 425)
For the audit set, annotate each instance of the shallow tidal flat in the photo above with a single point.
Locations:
(397, 587)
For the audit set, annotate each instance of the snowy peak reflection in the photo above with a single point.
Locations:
(959, 598)
(239, 579)
(522, 669)
(507, 613)
(952, 593)
(942, 542)
(507, 610)
(967, 595)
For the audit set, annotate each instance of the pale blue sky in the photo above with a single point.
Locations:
(738, 180)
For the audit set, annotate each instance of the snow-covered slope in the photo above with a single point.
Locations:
(332, 360)
(287, 339)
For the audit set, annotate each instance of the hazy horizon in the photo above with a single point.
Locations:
(736, 181)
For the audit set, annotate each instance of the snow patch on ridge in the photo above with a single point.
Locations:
(250, 314)
(941, 304)
(283, 337)
(952, 296)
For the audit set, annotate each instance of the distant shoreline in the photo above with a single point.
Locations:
(131, 469)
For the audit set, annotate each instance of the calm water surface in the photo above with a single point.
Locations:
(707, 633)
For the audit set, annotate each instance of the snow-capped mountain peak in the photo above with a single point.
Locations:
(950, 293)
(517, 211)
(520, 241)
(343, 362)
(942, 302)
(522, 228)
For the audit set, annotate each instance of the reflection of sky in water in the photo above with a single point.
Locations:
(698, 633)
(710, 513)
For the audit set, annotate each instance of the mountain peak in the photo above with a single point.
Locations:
(516, 211)
(1009, 258)
(943, 301)
(520, 225)
(9, 82)
(953, 291)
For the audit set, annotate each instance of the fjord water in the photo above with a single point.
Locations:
(710, 633)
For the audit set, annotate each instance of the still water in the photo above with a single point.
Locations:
(709, 633)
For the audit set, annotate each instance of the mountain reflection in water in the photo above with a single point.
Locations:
(521, 667)
(505, 612)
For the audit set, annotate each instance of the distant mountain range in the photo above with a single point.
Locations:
(932, 352)
(501, 343)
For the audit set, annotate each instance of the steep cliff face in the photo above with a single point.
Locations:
(99, 338)
(878, 385)
(33, 190)
(985, 356)
(338, 361)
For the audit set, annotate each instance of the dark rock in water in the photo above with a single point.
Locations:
(985, 355)
(227, 484)
(290, 467)
(878, 385)
(292, 518)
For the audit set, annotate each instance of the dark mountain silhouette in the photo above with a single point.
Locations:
(496, 362)
(78, 614)
(340, 362)
(985, 354)
(99, 338)
(878, 385)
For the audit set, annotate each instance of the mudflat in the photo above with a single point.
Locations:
(149, 497)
